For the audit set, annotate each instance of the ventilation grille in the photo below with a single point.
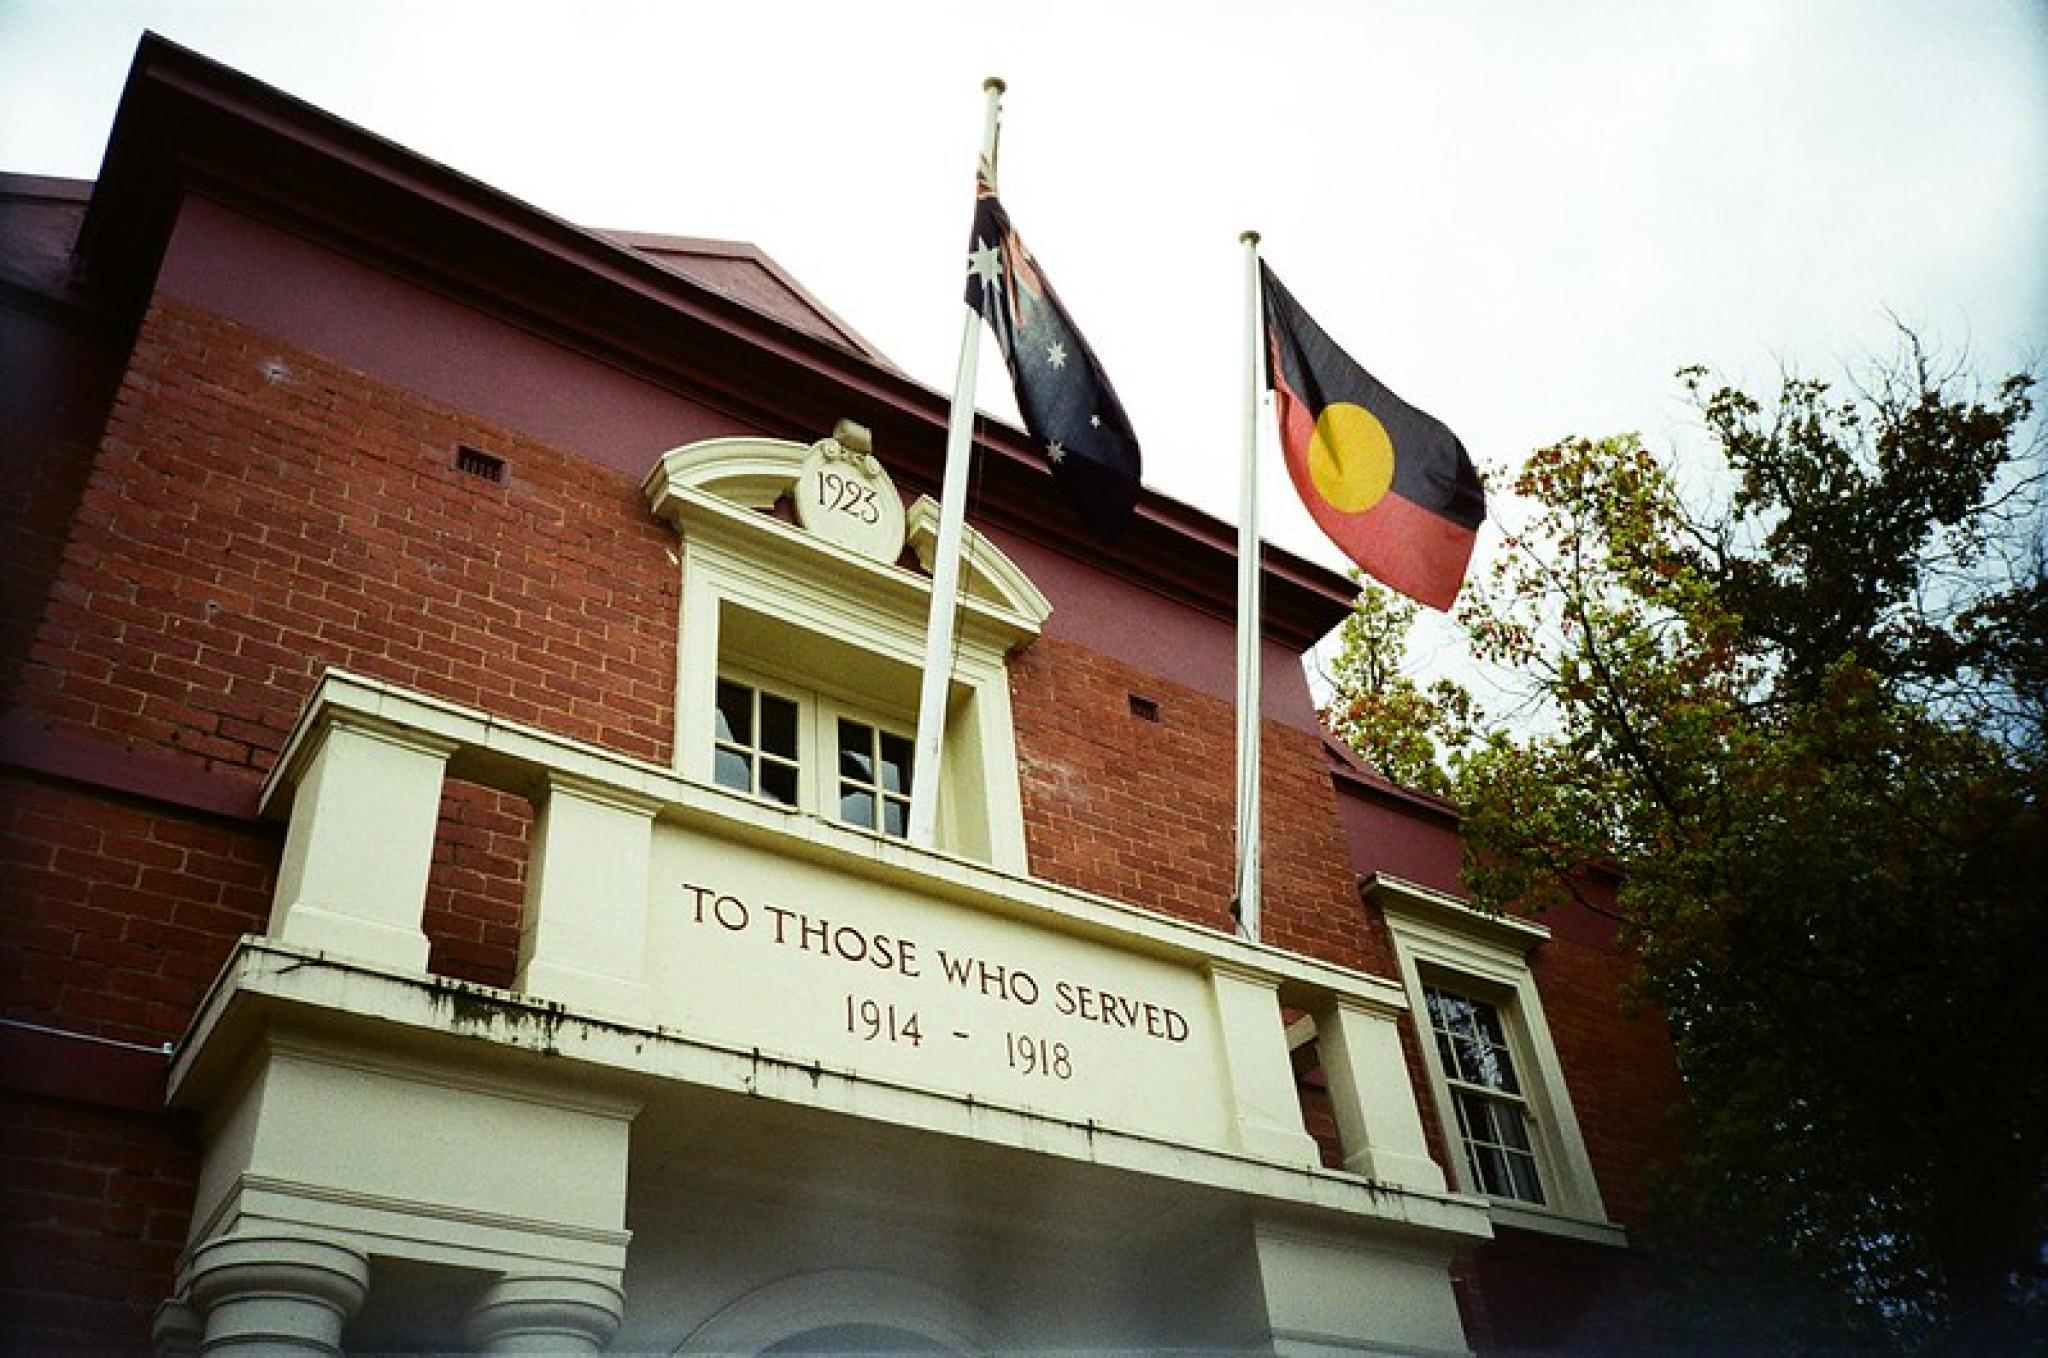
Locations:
(480, 464)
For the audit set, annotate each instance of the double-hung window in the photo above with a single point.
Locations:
(1509, 1130)
(802, 749)
(1493, 1112)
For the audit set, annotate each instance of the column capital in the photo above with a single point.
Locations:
(556, 1313)
(276, 1293)
(564, 783)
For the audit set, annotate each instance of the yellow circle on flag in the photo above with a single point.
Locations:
(1350, 459)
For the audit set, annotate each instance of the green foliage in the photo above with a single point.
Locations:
(1808, 728)
(1403, 730)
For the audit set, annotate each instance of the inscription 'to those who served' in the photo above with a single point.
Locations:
(954, 969)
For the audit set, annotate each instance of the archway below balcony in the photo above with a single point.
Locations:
(852, 1340)
(857, 1311)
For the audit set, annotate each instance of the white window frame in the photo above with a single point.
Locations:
(1465, 1094)
(754, 748)
(819, 713)
(1442, 942)
(833, 779)
(760, 593)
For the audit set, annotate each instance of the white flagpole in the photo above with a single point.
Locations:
(938, 651)
(1246, 904)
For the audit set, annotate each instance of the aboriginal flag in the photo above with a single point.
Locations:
(1068, 406)
(1390, 485)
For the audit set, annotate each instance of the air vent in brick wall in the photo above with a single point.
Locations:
(480, 464)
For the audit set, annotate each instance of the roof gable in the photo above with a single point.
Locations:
(745, 273)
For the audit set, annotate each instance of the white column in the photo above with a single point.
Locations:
(583, 938)
(1372, 1095)
(276, 1294)
(177, 1329)
(1266, 1109)
(545, 1313)
(353, 880)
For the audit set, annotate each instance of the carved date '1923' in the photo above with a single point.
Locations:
(852, 498)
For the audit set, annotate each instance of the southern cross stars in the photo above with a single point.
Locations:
(1054, 453)
(985, 262)
(1056, 354)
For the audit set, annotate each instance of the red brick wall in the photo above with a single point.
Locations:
(1144, 811)
(257, 514)
(1616, 1057)
(477, 886)
(53, 401)
(1525, 1293)
(94, 1206)
(118, 913)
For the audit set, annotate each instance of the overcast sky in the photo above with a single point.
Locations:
(1521, 216)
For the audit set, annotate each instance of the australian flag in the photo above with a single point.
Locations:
(1069, 408)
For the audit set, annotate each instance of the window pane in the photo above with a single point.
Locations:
(1526, 1185)
(1501, 1069)
(857, 752)
(1472, 1058)
(1479, 1118)
(896, 753)
(778, 781)
(735, 770)
(1472, 1040)
(856, 805)
(895, 817)
(1513, 1127)
(1453, 1011)
(735, 715)
(1492, 1168)
(1486, 1019)
(1497, 1147)
(778, 726)
(1489, 1067)
(1462, 1103)
(1446, 1055)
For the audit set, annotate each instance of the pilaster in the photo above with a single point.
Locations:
(353, 880)
(583, 937)
(1372, 1095)
(1266, 1111)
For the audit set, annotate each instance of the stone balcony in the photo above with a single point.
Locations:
(689, 955)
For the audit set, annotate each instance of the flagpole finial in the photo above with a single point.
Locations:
(1248, 238)
(994, 83)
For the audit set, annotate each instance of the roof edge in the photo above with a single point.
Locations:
(187, 122)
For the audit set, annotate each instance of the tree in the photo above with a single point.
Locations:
(1808, 725)
(1405, 731)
